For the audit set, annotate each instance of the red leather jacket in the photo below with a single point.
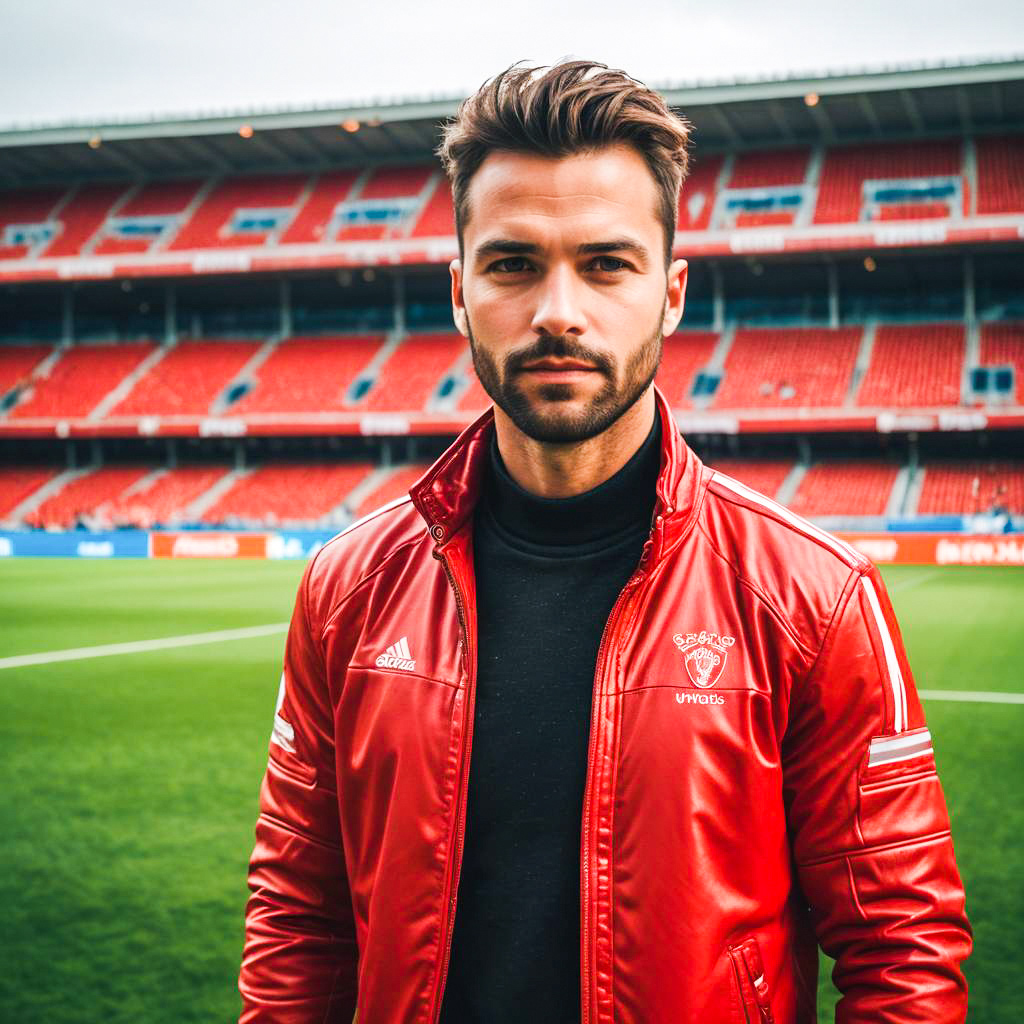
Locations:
(760, 777)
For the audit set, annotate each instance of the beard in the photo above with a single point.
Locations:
(550, 417)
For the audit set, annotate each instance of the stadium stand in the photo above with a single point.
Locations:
(765, 168)
(220, 221)
(1000, 161)
(697, 199)
(86, 498)
(23, 214)
(16, 365)
(474, 399)
(918, 365)
(163, 496)
(308, 374)
(413, 372)
(847, 168)
(837, 488)
(386, 202)
(284, 494)
(81, 377)
(81, 217)
(312, 223)
(972, 488)
(396, 485)
(765, 476)
(18, 483)
(438, 217)
(188, 379)
(1001, 345)
(684, 354)
(146, 217)
(801, 367)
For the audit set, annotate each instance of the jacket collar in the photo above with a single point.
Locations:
(446, 494)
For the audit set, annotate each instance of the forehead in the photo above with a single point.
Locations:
(603, 190)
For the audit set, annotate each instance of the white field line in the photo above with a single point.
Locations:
(915, 581)
(143, 646)
(973, 696)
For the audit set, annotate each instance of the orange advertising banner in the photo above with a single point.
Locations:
(208, 545)
(938, 548)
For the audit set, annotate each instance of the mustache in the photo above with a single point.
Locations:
(559, 346)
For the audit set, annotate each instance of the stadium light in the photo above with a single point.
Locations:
(812, 99)
(351, 125)
(869, 264)
(246, 131)
(95, 142)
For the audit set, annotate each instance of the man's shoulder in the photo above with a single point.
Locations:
(799, 568)
(363, 547)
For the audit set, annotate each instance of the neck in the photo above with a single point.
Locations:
(563, 470)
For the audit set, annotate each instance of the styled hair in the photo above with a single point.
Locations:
(576, 106)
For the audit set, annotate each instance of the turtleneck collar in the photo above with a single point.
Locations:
(622, 503)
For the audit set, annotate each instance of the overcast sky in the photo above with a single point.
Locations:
(95, 60)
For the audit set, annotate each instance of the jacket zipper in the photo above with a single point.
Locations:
(595, 718)
(460, 812)
(657, 525)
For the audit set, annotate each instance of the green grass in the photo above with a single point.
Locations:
(130, 783)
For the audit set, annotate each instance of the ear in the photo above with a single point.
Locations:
(458, 306)
(675, 296)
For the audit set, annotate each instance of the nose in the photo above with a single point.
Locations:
(560, 304)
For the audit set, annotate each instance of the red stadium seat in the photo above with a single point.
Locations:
(1003, 345)
(187, 380)
(285, 494)
(768, 168)
(846, 168)
(697, 199)
(395, 485)
(17, 363)
(1000, 161)
(158, 198)
(764, 475)
(308, 374)
(26, 206)
(312, 221)
(165, 498)
(918, 365)
(972, 488)
(845, 488)
(89, 498)
(788, 367)
(414, 372)
(209, 227)
(18, 483)
(685, 353)
(80, 379)
(82, 216)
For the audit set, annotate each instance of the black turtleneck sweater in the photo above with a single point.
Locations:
(548, 572)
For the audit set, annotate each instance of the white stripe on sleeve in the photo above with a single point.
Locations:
(899, 693)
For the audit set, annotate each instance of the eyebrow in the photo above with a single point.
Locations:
(509, 247)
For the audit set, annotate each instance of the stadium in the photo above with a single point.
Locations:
(224, 339)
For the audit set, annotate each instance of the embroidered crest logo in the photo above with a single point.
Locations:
(704, 655)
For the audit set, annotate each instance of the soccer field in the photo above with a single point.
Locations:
(130, 780)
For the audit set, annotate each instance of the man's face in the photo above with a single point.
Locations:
(562, 290)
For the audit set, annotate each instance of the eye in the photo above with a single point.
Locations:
(608, 264)
(510, 265)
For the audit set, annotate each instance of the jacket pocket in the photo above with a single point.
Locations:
(755, 995)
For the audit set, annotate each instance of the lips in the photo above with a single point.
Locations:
(550, 365)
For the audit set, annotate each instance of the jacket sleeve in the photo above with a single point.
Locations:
(300, 957)
(868, 823)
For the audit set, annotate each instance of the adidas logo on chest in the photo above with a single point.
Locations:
(397, 656)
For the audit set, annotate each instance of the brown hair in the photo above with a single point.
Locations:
(574, 107)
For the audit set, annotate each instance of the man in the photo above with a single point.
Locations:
(582, 730)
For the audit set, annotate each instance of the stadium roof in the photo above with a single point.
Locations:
(856, 106)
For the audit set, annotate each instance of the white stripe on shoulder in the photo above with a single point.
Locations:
(848, 554)
(899, 692)
(394, 503)
(887, 749)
